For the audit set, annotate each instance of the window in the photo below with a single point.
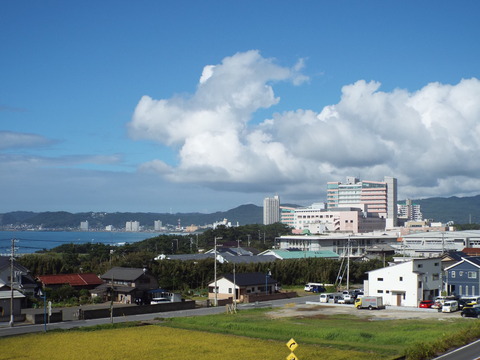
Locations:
(388, 291)
(435, 277)
(400, 278)
(452, 274)
(436, 264)
(420, 266)
(380, 291)
(460, 273)
(229, 290)
(379, 279)
(472, 275)
(419, 284)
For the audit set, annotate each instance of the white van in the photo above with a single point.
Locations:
(324, 297)
(450, 306)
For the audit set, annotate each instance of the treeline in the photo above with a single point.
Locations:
(182, 275)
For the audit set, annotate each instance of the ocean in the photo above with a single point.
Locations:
(27, 242)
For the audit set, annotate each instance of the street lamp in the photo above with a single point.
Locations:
(269, 273)
(215, 270)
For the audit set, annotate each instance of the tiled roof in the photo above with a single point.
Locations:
(123, 273)
(286, 254)
(71, 279)
(249, 259)
(5, 262)
(245, 279)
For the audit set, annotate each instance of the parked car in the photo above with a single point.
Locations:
(346, 299)
(450, 306)
(426, 304)
(471, 312)
(461, 304)
(314, 287)
(324, 297)
(438, 303)
(471, 300)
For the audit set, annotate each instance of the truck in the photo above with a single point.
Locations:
(369, 302)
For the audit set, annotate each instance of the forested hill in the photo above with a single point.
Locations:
(459, 210)
(245, 214)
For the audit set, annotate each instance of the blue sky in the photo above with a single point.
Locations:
(189, 106)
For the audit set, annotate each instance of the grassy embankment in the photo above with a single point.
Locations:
(251, 334)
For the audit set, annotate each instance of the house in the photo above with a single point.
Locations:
(244, 284)
(23, 280)
(406, 282)
(463, 277)
(6, 302)
(126, 285)
(237, 255)
(77, 281)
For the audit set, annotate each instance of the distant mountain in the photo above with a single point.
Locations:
(244, 214)
(460, 210)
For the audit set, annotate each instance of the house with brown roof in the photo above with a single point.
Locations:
(78, 281)
(126, 285)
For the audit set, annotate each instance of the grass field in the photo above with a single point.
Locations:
(251, 334)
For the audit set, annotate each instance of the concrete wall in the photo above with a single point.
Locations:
(39, 319)
(135, 310)
(264, 297)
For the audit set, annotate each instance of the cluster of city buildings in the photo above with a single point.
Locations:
(356, 206)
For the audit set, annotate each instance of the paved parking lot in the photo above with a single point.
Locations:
(391, 312)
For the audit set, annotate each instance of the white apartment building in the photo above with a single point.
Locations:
(271, 210)
(84, 225)
(157, 225)
(406, 283)
(375, 197)
(132, 226)
(409, 211)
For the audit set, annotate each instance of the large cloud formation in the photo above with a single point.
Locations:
(428, 139)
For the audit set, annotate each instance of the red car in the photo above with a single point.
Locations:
(426, 304)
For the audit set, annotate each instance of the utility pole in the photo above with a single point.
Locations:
(215, 270)
(111, 301)
(11, 283)
(348, 262)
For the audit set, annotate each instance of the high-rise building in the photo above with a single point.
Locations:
(373, 197)
(132, 226)
(271, 210)
(84, 225)
(409, 211)
(157, 225)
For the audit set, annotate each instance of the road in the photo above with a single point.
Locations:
(19, 329)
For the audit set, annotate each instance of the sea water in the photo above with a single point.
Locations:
(31, 241)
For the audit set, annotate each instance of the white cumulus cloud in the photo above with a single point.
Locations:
(429, 139)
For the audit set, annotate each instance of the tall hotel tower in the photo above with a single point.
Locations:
(375, 197)
(271, 210)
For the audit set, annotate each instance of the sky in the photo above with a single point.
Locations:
(203, 106)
